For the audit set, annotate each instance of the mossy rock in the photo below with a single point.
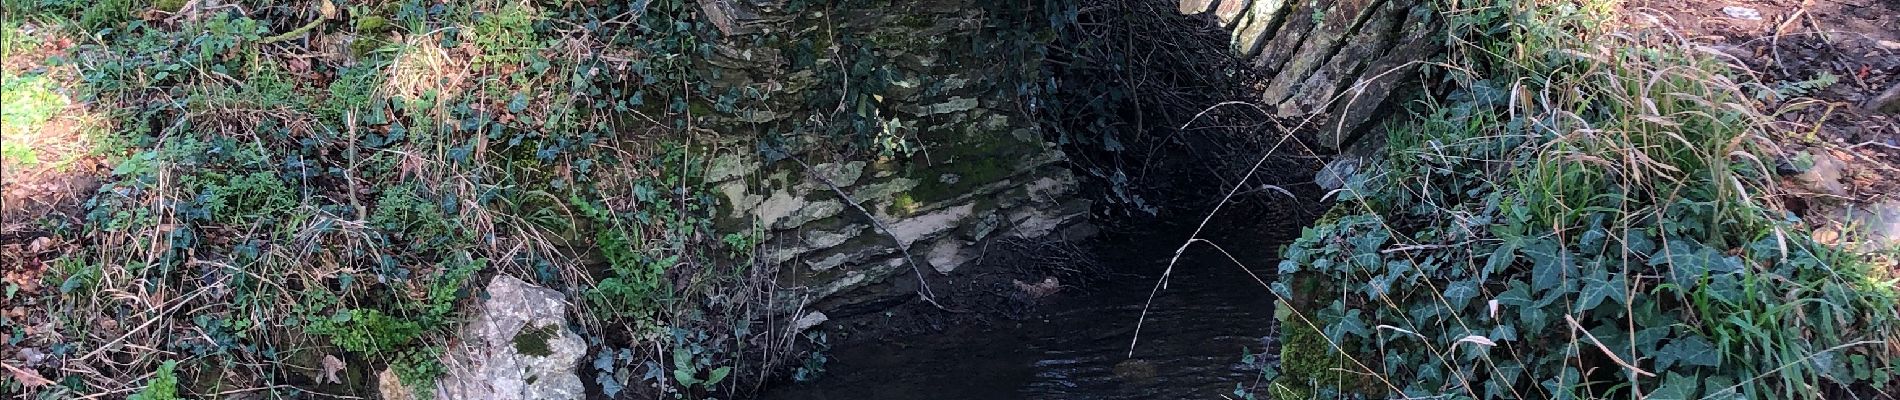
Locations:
(534, 342)
(1310, 367)
(373, 24)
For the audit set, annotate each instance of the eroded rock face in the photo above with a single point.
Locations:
(518, 346)
(1335, 59)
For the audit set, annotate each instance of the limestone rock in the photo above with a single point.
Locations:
(1229, 12)
(1880, 223)
(1257, 26)
(1369, 92)
(948, 254)
(808, 321)
(731, 166)
(1195, 7)
(1336, 173)
(910, 230)
(391, 387)
(1819, 172)
(517, 346)
(1048, 286)
(841, 174)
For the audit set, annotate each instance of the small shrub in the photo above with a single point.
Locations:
(163, 386)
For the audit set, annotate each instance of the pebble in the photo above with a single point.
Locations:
(1739, 12)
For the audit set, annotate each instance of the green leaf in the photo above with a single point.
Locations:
(1518, 295)
(1677, 387)
(518, 104)
(1598, 287)
(718, 374)
(1690, 350)
(1502, 257)
(1688, 262)
(1550, 265)
(1459, 294)
(1379, 285)
(683, 370)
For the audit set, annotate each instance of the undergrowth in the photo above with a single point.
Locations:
(297, 182)
(1585, 214)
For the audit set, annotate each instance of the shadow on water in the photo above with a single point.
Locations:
(1077, 346)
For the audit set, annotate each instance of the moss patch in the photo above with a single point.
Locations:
(1309, 366)
(534, 341)
(969, 161)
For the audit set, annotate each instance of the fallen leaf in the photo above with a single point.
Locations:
(27, 377)
(332, 365)
(327, 9)
(40, 244)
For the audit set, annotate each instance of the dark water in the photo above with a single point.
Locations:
(1190, 346)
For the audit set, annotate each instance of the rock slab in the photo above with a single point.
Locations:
(518, 346)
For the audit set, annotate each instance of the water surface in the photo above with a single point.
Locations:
(1077, 346)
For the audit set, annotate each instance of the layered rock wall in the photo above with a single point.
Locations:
(960, 162)
(1335, 61)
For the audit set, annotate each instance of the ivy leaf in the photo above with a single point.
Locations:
(1690, 350)
(718, 374)
(605, 361)
(1686, 266)
(1379, 285)
(1459, 294)
(1504, 333)
(1637, 243)
(609, 384)
(1517, 296)
(1343, 322)
(1550, 264)
(1677, 387)
(1502, 257)
(683, 370)
(1598, 287)
(518, 104)
(1721, 388)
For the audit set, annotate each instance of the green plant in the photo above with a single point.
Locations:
(655, 233)
(813, 364)
(693, 358)
(106, 14)
(162, 386)
(26, 103)
(418, 369)
(506, 35)
(1602, 236)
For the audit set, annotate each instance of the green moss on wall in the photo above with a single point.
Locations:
(972, 161)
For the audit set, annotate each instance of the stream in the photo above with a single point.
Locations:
(1076, 344)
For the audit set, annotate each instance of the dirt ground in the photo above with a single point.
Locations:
(47, 188)
(1832, 74)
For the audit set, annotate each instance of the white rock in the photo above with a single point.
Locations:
(948, 254)
(391, 387)
(1745, 13)
(808, 321)
(1880, 223)
(517, 346)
